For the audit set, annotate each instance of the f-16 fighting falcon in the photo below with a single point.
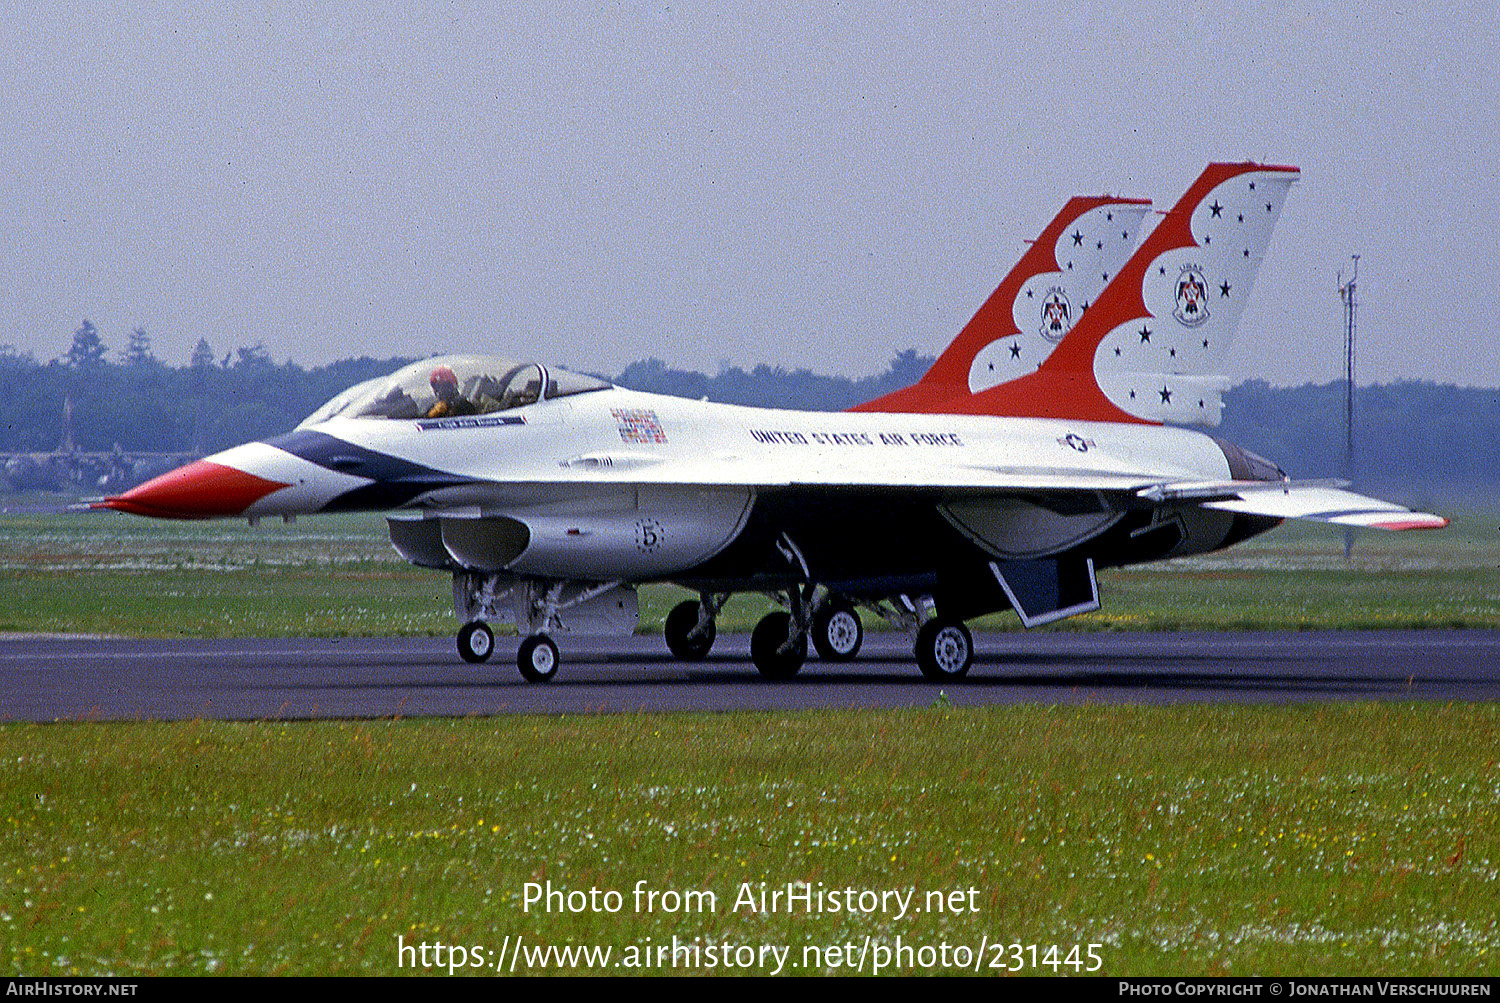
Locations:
(1035, 452)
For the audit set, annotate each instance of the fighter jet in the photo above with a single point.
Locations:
(1035, 452)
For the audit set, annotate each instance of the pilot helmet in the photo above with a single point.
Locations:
(442, 378)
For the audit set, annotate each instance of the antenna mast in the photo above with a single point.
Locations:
(1347, 293)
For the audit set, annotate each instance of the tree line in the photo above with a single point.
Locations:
(1415, 439)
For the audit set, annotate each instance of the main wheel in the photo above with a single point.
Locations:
(680, 623)
(476, 642)
(945, 649)
(537, 658)
(766, 642)
(837, 632)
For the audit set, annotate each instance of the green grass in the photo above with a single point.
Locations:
(104, 573)
(1220, 840)
(1331, 839)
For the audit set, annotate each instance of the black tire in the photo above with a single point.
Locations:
(945, 649)
(537, 658)
(476, 642)
(765, 647)
(681, 621)
(837, 632)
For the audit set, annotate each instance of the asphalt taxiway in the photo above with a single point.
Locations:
(81, 679)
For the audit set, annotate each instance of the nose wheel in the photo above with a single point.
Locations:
(537, 658)
(476, 642)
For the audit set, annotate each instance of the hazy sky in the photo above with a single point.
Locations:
(813, 187)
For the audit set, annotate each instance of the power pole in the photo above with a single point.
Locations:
(1347, 293)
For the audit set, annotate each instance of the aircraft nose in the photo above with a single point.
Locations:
(201, 490)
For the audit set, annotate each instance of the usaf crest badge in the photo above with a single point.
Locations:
(1192, 297)
(1057, 314)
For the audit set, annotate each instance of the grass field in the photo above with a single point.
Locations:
(1241, 840)
(1323, 839)
(105, 573)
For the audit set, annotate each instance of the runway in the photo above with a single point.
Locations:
(67, 679)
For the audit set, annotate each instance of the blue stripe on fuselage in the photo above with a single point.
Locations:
(394, 481)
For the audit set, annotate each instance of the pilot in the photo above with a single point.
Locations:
(518, 393)
(449, 401)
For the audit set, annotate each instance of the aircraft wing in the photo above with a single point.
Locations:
(840, 470)
(1319, 501)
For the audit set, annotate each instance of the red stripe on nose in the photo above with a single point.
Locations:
(200, 490)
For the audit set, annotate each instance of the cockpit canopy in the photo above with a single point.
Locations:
(454, 385)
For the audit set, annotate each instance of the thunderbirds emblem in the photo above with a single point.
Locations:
(1057, 314)
(1192, 297)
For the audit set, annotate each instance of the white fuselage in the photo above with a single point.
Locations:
(580, 446)
(620, 485)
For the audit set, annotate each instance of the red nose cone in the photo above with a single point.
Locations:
(200, 490)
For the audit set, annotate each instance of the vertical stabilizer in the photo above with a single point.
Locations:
(1151, 348)
(1163, 353)
(1034, 307)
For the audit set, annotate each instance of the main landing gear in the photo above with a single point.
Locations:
(944, 649)
(836, 630)
(778, 645)
(690, 628)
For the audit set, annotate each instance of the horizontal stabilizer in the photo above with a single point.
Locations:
(1319, 501)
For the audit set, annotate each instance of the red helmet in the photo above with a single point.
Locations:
(442, 374)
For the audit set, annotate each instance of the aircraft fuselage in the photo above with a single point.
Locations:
(620, 485)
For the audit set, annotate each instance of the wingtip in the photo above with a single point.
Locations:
(1416, 520)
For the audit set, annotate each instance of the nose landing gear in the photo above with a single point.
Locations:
(539, 607)
(476, 642)
(537, 658)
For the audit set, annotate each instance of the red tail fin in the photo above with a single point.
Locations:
(1147, 350)
(1033, 308)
